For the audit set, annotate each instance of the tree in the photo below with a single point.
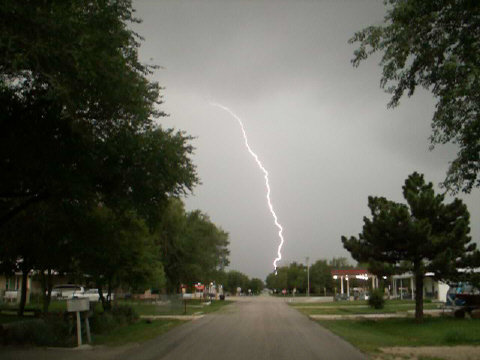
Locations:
(434, 44)
(256, 285)
(237, 279)
(77, 130)
(78, 110)
(297, 277)
(293, 276)
(321, 277)
(37, 240)
(340, 263)
(424, 235)
(117, 250)
(193, 249)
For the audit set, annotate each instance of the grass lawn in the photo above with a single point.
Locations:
(349, 310)
(344, 303)
(137, 332)
(369, 335)
(193, 307)
(8, 317)
(329, 303)
(142, 308)
(357, 307)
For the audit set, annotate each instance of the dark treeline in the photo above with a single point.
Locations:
(295, 276)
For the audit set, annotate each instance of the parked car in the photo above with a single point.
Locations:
(93, 295)
(339, 297)
(67, 291)
(363, 296)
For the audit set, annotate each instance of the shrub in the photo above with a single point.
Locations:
(116, 317)
(376, 300)
(102, 322)
(45, 332)
(126, 312)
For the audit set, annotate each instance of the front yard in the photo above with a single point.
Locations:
(438, 336)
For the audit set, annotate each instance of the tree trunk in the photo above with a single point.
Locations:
(23, 297)
(46, 289)
(419, 296)
(102, 298)
(109, 294)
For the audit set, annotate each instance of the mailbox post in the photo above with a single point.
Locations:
(78, 306)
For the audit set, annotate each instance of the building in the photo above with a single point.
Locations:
(347, 274)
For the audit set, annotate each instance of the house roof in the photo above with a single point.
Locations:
(351, 272)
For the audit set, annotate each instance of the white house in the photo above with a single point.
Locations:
(432, 289)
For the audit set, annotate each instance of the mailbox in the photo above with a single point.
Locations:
(75, 305)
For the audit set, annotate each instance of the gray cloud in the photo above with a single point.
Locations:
(321, 127)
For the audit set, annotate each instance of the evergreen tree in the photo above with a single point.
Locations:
(424, 235)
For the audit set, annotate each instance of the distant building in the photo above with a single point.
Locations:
(404, 287)
(347, 274)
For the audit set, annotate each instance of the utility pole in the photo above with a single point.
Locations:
(308, 279)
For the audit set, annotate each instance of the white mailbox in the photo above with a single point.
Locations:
(75, 305)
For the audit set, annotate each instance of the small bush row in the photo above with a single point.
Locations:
(59, 329)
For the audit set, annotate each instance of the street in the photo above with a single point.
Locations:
(252, 328)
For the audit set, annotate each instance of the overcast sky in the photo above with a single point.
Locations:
(320, 127)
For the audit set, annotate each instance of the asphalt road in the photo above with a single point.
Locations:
(251, 328)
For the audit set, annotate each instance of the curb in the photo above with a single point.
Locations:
(174, 317)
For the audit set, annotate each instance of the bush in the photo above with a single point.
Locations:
(102, 322)
(376, 300)
(127, 312)
(116, 317)
(46, 332)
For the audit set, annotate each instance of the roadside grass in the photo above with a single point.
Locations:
(370, 335)
(344, 303)
(350, 310)
(329, 303)
(10, 318)
(357, 307)
(138, 332)
(141, 307)
(193, 307)
(111, 328)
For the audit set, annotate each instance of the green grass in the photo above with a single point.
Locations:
(357, 307)
(369, 335)
(329, 303)
(6, 318)
(349, 310)
(355, 303)
(138, 332)
(8, 313)
(193, 307)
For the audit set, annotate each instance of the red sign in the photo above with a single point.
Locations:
(199, 287)
(284, 291)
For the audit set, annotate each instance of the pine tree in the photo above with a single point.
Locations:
(424, 235)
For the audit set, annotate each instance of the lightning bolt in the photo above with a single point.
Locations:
(267, 184)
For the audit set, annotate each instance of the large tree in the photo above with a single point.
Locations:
(117, 250)
(78, 125)
(237, 279)
(321, 277)
(424, 235)
(78, 111)
(435, 45)
(193, 249)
